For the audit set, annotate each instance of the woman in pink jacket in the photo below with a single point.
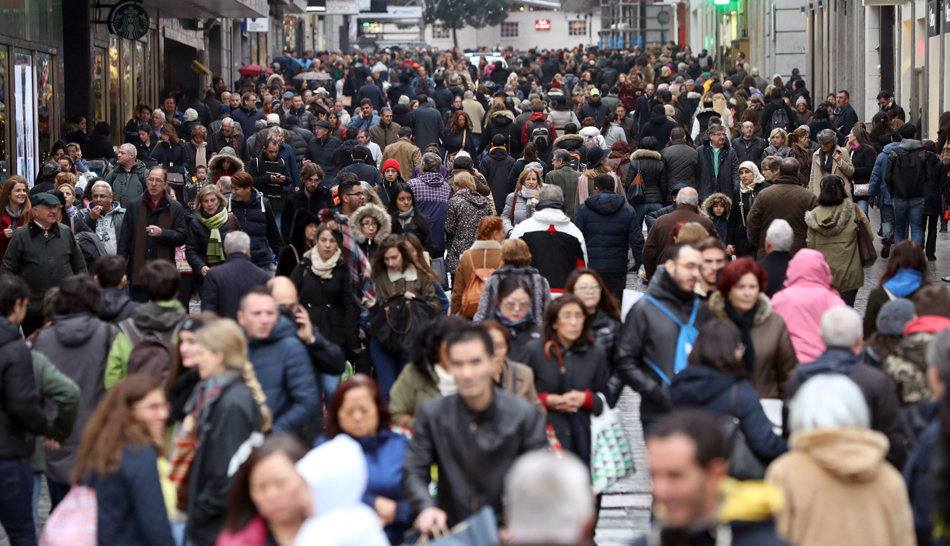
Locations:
(805, 298)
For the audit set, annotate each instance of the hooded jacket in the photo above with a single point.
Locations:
(256, 218)
(833, 232)
(78, 345)
(908, 170)
(722, 221)
(158, 317)
(573, 144)
(432, 195)
(536, 119)
(500, 123)
(906, 366)
(557, 246)
(595, 108)
(298, 202)
(495, 168)
(592, 137)
(765, 120)
(22, 414)
(286, 376)
(808, 294)
(559, 118)
(609, 226)
(115, 306)
(904, 284)
(417, 382)
(649, 164)
(700, 386)
(839, 490)
(385, 229)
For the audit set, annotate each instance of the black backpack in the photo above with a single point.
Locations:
(574, 160)
(780, 120)
(539, 134)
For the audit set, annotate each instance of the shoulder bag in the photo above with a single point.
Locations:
(865, 241)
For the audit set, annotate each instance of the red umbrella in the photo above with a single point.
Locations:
(253, 70)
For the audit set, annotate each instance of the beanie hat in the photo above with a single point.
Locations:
(392, 163)
(273, 119)
(893, 316)
(191, 114)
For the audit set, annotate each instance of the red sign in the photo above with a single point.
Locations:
(542, 24)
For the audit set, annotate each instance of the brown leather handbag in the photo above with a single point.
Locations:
(865, 241)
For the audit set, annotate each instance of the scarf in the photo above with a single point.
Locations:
(825, 161)
(527, 193)
(204, 396)
(406, 217)
(361, 274)
(201, 154)
(745, 324)
(321, 268)
(71, 211)
(214, 223)
(446, 383)
(14, 215)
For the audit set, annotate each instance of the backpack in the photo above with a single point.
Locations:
(684, 341)
(540, 135)
(153, 353)
(74, 521)
(780, 120)
(476, 284)
(574, 160)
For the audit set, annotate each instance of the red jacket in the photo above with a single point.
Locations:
(930, 324)
(5, 222)
(537, 116)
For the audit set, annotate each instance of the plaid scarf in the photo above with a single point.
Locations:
(361, 275)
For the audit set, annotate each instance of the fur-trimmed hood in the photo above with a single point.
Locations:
(373, 211)
(717, 304)
(717, 199)
(647, 154)
(226, 153)
(503, 114)
(693, 95)
(564, 141)
(830, 221)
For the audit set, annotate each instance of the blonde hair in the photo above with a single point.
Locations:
(464, 181)
(63, 179)
(210, 188)
(779, 131)
(692, 232)
(226, 337)
(370, 193)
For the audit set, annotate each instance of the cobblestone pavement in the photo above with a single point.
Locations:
(625, 509)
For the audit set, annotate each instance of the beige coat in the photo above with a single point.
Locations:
(840, 490)
(833, 232)
(476, 112)
(406, 154)
(845, 170)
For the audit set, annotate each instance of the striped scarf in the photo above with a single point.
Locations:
(361, 275)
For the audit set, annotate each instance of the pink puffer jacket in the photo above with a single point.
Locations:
(254, 534)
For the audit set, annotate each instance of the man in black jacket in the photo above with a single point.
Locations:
(426, 124)
(321, 147)
(21, 415)
(495, 168)
(908, 172)
(473, 437)
(271, 175)
(718, 166)
(226, 284)
(366, 171)
(749, 147)
(312, 197)
(151, 230)
(680, 160)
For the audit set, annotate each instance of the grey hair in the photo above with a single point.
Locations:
(227, 121)
(781, 236)
(938, 354)
(713, 129)
(547, 500)
(468, 95)
(275, 132)
(780, 131)
(50, 168)
(828, 401)
(431, 163)
(384, 109)
(260, 124)
(561, 155)
(772, 162)
(687, 196)
(158, 113)
(841, 327)
(224, 184)
(101, 184)
(236, 242)
(552, 192)
(129, 149)
(827, 136)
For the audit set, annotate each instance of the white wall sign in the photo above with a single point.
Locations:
(258, 24)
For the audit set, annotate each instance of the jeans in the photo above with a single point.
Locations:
(909, 212)
(328, 384)
(863, 205)
(57, 492)
(37, 489)
(887, 221)
(16, 496)
(387, 367)
(643, 210)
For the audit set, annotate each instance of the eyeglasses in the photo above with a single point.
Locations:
(689, 266)
(368, 224)
(516, 304)
(155, 180)
(588, 288)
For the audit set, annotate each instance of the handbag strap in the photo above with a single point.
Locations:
(389, 322)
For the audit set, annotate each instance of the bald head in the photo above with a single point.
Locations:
(687, 196)
(283, 291)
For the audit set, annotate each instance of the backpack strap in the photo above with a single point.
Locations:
(659, 371)
(231, 221)
(666, 312)
(131, 331)
(692, 316)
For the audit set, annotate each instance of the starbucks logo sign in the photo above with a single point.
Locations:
(129, 20)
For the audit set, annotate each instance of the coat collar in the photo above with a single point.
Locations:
(717, 305)
(36, 229)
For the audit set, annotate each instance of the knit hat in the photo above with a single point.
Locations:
(191, 114)
(570, 128)
(273, 119)
(291, 120)
(801, 100)
(893, 316)
(555, 84)
(392, 163)
(595, 155)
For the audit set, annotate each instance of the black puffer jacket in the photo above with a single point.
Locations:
(256, 218)
(21, 415)
(301, 137)
(500, 123)
(652, 170)
(574, 144)
(330, 302)
(173, 157)
(681, 164)
(495, 168)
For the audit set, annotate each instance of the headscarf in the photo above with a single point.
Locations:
(757, 177)
(214, 223)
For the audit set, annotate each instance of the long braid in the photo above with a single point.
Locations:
(250, 379)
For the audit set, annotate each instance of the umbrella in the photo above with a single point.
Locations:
(253, 70)
(288, 61)
(312, 76)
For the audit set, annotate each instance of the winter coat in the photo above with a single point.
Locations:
(78, 345)
(839, 490)
(406, 154)
(322, 152)
(721, 223)
(560, 118)
(472, 454)
(330, 302)
(738, 222)
(366, 171)
(652, 170)
(417, 382)
(875, 386)
(115, 306)
(426, 124)
(833, 232)
(806, 297)
(540, 292)
(127, 185)
(568, 180)
(595, 108)
(432, 195)
(246, 118)
(131, 507)
(300, 140)
(658, 241)
(775, 358)
(592, 137)
(384, 135)
(906, 366)
(700, 386)
(522, 210)
(659, 127)
(256, 218)
(7, 222)
(904, 284)
(937, 187)
(648, 335)
(574, 144)
(878, 189)
(233, 416)
(586, 366)
(411, 280)
(419, 226)
(155, 247)
(908, 170)
(481, 255)
(845, 170)
(776, 267)
(286, 376)
(227, 283)
(707, 183)
(174, 157)
(863, 160)
(464, 140)
(495, 168)
(681, 164)
(42, 261)
(22, 414)
(465, 210)
(557, 246)
(614, 133)
(751, 150)
(196, 244)
(765, 120)
(298, 202)
(609, 226)
(786, 199)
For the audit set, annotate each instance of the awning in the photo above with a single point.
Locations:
(207, 9)
(295, 6)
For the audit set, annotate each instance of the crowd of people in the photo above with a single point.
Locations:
(366, 307)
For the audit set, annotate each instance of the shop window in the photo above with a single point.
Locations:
(4, 113)
(141, 92)
(509, 30)
(98, 83)
(115, 91)
(24, 104)
(128, 104)
(441, 33)
(577, 28)
(44, 104)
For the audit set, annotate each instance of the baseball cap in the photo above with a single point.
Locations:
(595, 92)
(289, 95)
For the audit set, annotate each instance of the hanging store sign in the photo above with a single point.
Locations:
(258, 24)
(934, 15)
(129, 20)
(342, 7)
(542, 24)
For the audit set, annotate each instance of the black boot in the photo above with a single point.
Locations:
(885, 248)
